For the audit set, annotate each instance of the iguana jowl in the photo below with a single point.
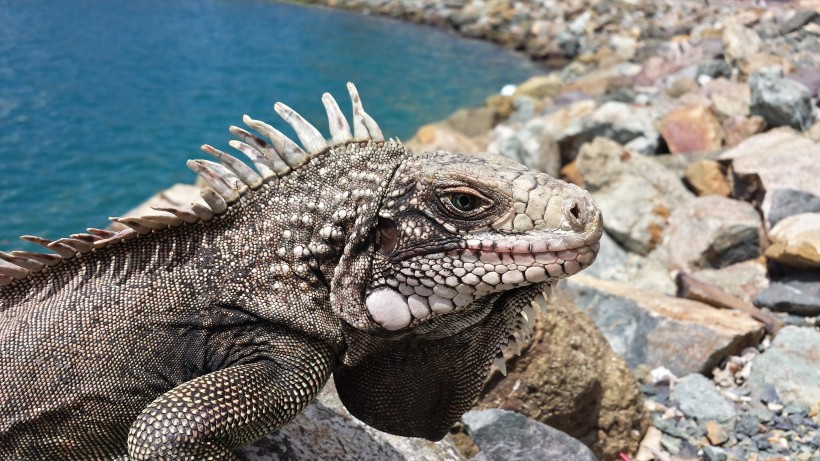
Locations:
(199, 330)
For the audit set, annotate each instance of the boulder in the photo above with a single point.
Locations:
(615, 177)
(791, 366)
(503, 435)
(796, 294)
(325, 430)
(739, 41)
(788, 202)
(738, 127)
(780, 101)
(698, 398)
(531, 145)
(474, 122)
(707, 177)
(743, 280)
(795, 241)
(727, 98)
(777, 159)
(570, 379)
(691, 128)
(614, 120)
(541, 86)
(712, 231)
(440, 136)
(656, 330)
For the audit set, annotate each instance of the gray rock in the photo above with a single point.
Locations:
(614, 120)
(791, 365)
(796, 294)
(698, 398)
(713, 231)
(645, 327)
(715, 68)
(616, 177)
(787, 202)
(713, 453)
(780, 101)
(744, 280)
(610, 261)
(800, 19)
(325, 430)
(503, 435)
(531, 145)
(747, 424)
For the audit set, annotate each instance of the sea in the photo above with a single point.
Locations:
(103, 101)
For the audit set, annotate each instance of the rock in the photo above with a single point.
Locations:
(789, 202)
(796, 241)
(715, 68)
(777, 159)
(691, 128)
(502, 435)
(698, 398)
(525, 109)
(616, 176)
(647, 328)
(780, 101)
(325, 430)
(617, 121)
(474, 122)
(570, 379)
(739, 41)
(800, 19)
(727, 98)
(610, 261)
(714, 454)
(716, 434)
(712, 231)
(541, 86)
(744, 280)
(707, 177)
(791, 365)
(681, 86)
(650, 445)
(600, 81)
(532, 146)
(503, 105)
(796, 294)
(440, 136)
(809, 77)
(762, 61)
(737, 128)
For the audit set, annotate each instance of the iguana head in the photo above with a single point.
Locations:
(462, 246)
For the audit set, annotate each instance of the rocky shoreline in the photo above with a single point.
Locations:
(695, 334)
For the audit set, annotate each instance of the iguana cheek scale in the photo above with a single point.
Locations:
(198, 330)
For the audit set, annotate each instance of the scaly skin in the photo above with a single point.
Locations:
(194, 333)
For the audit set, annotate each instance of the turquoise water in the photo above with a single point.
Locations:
(101, 102)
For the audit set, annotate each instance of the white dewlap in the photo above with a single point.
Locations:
(389, 309)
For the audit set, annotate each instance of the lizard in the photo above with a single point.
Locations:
(200, 329)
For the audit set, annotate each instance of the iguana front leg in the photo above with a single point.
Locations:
(204, 418)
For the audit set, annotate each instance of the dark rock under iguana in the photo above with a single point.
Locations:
(199, 330)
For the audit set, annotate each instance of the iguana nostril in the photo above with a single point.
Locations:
(575, 211)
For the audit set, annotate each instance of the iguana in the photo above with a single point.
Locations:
(201, 329)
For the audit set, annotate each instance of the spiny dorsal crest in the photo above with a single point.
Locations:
(227, 182)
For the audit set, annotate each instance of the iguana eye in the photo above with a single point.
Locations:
(463, 202)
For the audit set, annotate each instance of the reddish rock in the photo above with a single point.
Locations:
(691, 128)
